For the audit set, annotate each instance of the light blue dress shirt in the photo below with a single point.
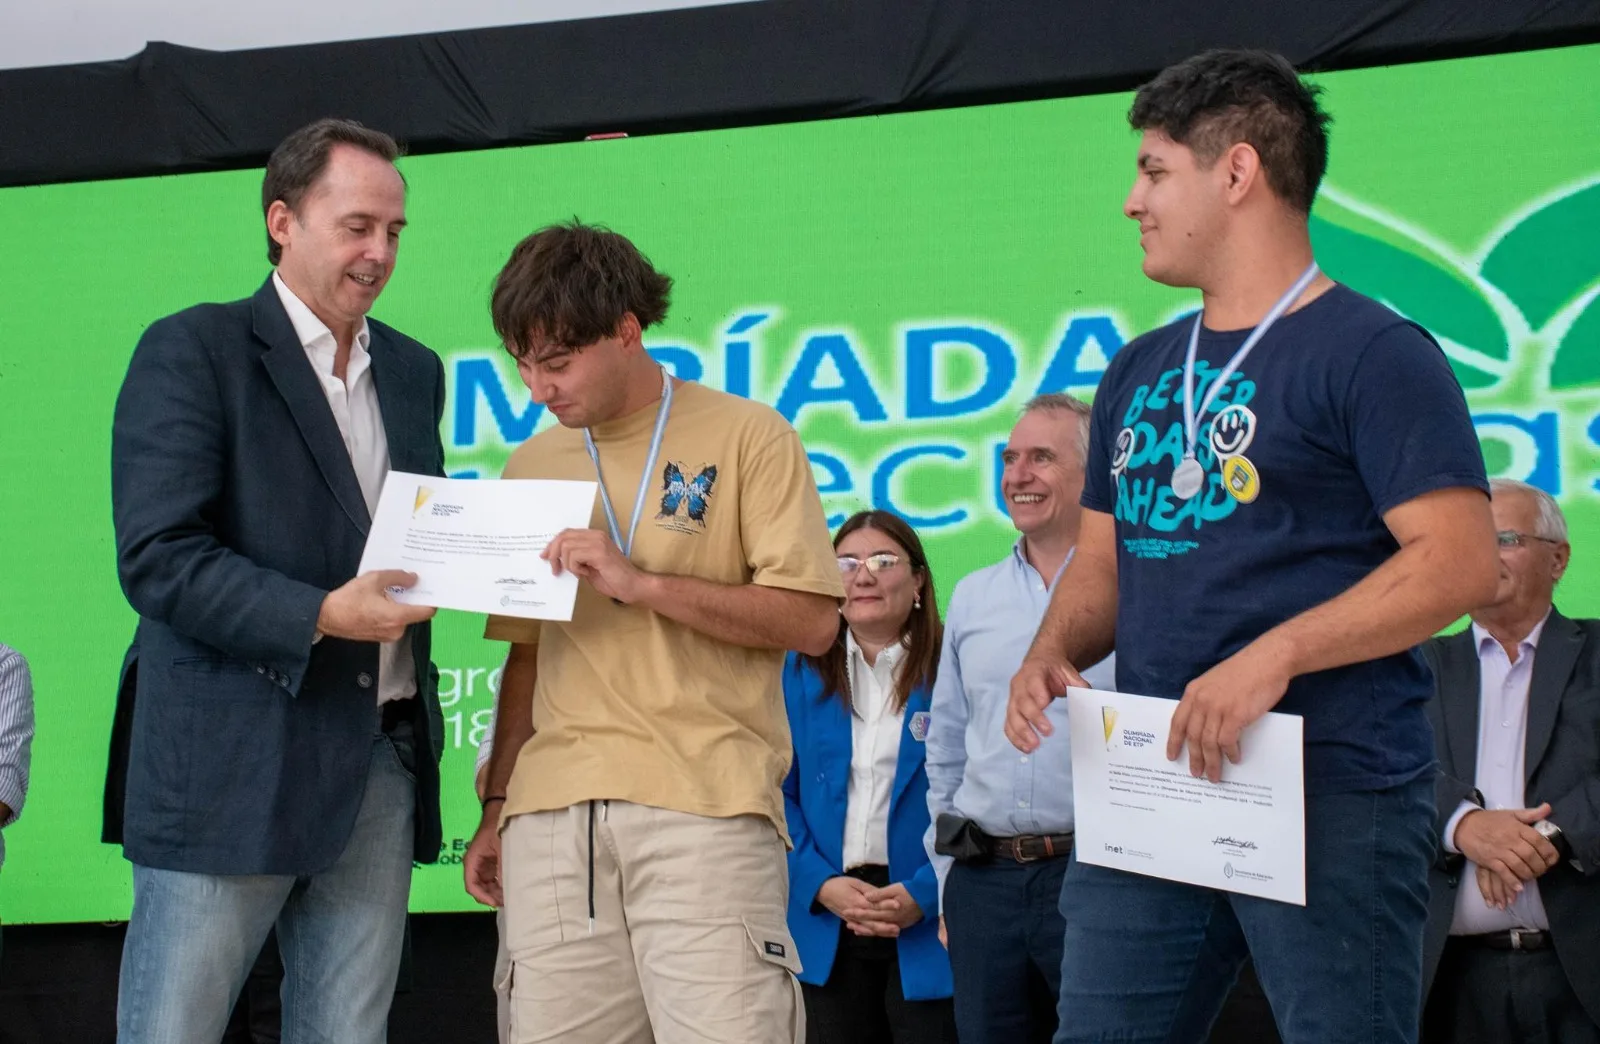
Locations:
(973, 770)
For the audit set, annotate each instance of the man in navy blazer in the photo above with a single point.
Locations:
(1514, 904)
(275, 751)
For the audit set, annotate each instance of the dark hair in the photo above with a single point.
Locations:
(1217, 99)
(923, 630)
(299, 160)
(570, 285)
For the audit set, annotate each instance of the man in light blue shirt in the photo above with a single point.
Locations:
(999, 898)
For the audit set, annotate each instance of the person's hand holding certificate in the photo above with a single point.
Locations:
(1137, 810)
(476, 545)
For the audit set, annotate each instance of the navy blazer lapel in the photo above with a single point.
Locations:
(1553, 661)
(406, 414)
(1459, 685)
(286, 362)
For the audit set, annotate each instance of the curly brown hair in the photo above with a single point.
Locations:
(567, 286)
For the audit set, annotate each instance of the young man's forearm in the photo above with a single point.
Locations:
(748, 615)
(1081, 622)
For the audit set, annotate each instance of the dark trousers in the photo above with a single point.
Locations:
(1496, 996)
(862, 1002)
(1004, 923)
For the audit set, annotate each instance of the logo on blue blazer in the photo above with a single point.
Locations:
(919, 726)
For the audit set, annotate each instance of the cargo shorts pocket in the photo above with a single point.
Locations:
(774, 946)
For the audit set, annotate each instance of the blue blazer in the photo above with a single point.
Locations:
(239, 746)
(814, 798)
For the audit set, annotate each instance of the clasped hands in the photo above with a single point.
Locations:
(1215, 709)
(866, 910)
(1506, 850)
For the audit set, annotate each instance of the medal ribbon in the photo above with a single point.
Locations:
(644, 476)
(1191, 416)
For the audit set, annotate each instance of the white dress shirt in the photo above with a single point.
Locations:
(875, 726)
(1502, 778)
(354, 402)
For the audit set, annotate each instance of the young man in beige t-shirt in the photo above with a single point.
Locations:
(633, 821)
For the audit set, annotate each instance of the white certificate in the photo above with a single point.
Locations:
(474, 544)
(1139, 812)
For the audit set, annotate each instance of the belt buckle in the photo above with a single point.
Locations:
(1016, 851)
(1516, 938)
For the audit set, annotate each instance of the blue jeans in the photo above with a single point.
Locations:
(1152, 960)
(193, 938)
(1005, 949)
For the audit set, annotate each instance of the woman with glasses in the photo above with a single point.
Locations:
(863, 900)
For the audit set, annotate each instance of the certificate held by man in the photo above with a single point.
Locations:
(1139, 812)
(475, 544)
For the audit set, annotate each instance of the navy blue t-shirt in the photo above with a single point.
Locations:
(1342, 411)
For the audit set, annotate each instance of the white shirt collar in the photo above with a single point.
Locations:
(315, 337)
(888, 656)
(1531, 642)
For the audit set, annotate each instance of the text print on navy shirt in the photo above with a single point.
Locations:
(1343, 411)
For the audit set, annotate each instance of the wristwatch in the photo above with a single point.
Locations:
(1552, 833)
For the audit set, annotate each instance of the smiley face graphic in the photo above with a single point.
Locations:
(1122, 451)
(1232, 431)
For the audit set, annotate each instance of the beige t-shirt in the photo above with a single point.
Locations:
(630, 705)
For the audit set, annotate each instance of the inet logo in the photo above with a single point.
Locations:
(1114, 848)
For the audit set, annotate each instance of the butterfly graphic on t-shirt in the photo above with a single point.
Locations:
(677, 491)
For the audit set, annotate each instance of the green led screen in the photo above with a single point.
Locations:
(897, 286)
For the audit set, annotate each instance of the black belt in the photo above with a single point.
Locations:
(1519, 939)
(395, 713)
(964, 841)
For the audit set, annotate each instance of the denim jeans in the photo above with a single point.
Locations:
(1151, 960)
(193, 938)
(1005, 949)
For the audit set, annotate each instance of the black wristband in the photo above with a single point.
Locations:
(494, 797)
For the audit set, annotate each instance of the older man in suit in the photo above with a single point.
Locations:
(275, 753)
(1514, 916)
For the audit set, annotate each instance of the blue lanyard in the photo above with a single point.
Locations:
(644, 476)
(1191, 416)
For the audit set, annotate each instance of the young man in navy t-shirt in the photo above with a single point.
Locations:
(1281, 545)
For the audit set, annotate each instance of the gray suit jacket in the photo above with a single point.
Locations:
(1563, 768)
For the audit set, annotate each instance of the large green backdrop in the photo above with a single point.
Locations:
(896, 285)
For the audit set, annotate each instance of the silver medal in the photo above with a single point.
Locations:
(1188, 478)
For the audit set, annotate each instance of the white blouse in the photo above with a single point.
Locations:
(875, 728)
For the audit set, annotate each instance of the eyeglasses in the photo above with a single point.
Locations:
(1511, 538)
(875, 563)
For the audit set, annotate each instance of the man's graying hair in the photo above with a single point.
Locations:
(1552, 524)
(1061, 402)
